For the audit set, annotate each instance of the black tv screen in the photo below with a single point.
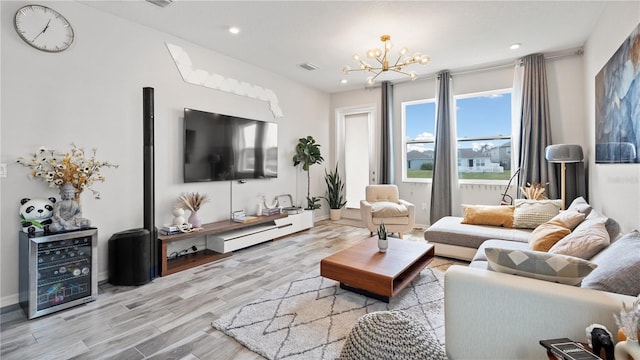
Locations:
(220, 147)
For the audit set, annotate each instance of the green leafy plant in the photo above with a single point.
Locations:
(382, 232)
(307, 154)
(335, 189)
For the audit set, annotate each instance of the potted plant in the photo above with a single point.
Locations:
(307, 154)
(383, 243)
(334, 195)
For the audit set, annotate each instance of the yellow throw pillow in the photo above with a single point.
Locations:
(548, 234)
(496, 215)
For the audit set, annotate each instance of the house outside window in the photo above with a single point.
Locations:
(483, 123)
(418, 127)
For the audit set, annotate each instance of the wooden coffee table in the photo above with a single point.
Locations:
(365, 270)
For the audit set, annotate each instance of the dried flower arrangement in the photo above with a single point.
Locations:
(191, 201)
(629, 320)
(57, 168)
(534, 191)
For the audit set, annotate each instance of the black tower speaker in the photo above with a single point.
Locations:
(149, 180)
(129, 256)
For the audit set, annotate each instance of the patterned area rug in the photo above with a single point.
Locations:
(311, 317)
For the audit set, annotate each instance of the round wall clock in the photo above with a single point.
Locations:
(43, 28)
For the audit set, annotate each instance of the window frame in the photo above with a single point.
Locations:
(454, 147)
(480, 138)
(405, 143)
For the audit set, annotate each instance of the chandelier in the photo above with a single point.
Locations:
(382, 58)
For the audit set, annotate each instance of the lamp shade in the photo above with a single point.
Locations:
(563, 153)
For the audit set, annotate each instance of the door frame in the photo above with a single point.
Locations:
(341, 114)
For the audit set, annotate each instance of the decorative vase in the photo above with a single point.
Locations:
(194, 220)
(383, 244)
(334, 214)
(626, 349)
(178, 216)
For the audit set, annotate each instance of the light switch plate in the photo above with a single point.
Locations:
(3, 170)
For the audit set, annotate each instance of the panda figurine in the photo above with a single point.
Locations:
(36, 214)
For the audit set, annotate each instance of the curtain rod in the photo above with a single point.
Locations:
(547, 57)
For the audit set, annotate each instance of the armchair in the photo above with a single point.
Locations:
(383, 205)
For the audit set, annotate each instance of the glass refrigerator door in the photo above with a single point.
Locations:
(64, 271)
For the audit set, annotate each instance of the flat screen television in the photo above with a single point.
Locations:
(220, 147)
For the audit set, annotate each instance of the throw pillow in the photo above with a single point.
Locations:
(548, 234)
(612, 226)
(496, 215)
(529, 214)
(618, 267)
(588, 239)
(388, 209)
(570, 218)
(579, 204)
(539, 265)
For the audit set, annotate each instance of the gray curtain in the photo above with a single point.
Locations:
(386, 134)
(441, 186)
(535, 130)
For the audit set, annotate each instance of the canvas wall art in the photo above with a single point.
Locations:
(618, 104)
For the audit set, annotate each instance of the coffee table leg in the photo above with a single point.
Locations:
(366, 293)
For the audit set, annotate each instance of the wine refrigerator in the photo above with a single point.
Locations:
(57, 270)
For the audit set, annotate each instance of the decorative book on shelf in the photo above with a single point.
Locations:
(240, 217)
(567, 349)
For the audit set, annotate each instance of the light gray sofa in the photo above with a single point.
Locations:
(495, 315)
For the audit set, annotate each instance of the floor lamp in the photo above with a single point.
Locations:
(563, 154)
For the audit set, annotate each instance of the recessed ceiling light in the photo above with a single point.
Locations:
(515, 46)
(234, 30)
(343, 81)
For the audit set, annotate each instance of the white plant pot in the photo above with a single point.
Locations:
(334, 214)
(383, 244)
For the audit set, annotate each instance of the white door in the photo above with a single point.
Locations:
(356, 153)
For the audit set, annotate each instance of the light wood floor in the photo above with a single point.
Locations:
(170, 318)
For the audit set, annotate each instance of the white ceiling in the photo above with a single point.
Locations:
(280, 35)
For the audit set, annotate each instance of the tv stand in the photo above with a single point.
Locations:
(224, 237)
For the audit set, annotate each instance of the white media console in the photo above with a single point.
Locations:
(223, 237)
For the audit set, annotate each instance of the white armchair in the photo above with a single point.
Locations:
(383, 205)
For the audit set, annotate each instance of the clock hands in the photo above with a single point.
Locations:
(43, 30)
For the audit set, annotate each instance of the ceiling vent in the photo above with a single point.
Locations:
(161, 3)
(309, 66)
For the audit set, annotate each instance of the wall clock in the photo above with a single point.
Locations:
(43, 28)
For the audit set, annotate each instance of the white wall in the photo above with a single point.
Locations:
(565, 82)
(91, 94)
(613, 188)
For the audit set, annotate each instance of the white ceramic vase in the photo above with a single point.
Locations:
(627, 348)
(194, 220)
(383, 244)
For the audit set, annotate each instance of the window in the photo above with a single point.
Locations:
(483, 122)
(419, 122)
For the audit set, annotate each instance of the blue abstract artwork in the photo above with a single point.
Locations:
(618, 104)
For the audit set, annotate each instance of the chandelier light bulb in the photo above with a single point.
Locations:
(371, 53)
(377, 52)
(425, 60)
(412, 75)
(370, 80)
(346, 70)
(356, 57)
(388, 45)
(403, 51)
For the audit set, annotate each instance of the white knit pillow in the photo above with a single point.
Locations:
(529, 214)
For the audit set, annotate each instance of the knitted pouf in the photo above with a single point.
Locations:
(390, 335)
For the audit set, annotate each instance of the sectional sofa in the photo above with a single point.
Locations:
(510, 297)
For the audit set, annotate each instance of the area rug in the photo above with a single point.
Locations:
(311, 317)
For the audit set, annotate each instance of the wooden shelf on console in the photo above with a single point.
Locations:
(170, 266)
